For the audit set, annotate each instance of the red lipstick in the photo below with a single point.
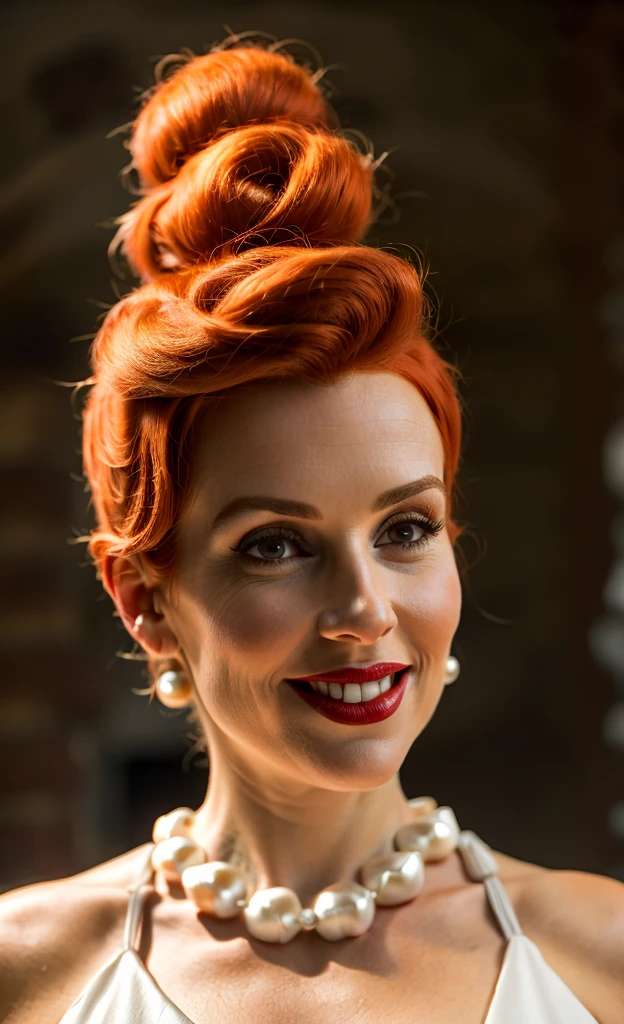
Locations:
(366, 712)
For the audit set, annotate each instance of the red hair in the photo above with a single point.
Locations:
(247, 240)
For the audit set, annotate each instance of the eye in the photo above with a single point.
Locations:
(275, 545)
(410, 531)
(404, 533)
(272, 546)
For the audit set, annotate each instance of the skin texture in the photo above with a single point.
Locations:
(342, 594)
(298, 799)
(348, 598)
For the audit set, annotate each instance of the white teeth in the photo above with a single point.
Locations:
(370, 690)
(354, 693)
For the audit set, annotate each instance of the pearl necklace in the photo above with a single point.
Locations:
(339, 911)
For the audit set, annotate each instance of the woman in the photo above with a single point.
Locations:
(271, 444)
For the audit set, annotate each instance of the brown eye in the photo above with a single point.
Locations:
(410, 533)
(406, 533)
(402, 532)
(270, 547)
(267, 548)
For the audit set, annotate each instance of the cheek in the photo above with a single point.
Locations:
(256, 626)
(434, 609)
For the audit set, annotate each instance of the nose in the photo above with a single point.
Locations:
(360, 610)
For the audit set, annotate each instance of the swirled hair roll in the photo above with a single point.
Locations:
(247, 240)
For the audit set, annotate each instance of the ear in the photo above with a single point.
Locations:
(138, 605)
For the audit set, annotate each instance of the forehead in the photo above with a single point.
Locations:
(296, 439)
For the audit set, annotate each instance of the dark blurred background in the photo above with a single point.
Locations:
(503, 121)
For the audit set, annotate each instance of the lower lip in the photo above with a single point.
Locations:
(364, 713)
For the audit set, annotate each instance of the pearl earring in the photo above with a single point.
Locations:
(173, 689)
(452, 670)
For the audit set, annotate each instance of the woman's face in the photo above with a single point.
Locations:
(265, 593)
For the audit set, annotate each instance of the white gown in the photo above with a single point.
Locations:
(527, 990)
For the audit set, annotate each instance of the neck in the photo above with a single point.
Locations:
(284, 833)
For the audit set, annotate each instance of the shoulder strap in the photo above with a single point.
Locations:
(136, 898)
(481, 866)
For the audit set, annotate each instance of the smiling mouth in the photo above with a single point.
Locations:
(354, 703)
(348, 693)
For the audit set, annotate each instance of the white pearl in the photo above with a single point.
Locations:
(345, 909)
(272, 915)
(173, 855)
(176, 823)
(395, 877)
(422, 804)
(173, 689)
(452, 670)
(414, 836)
(445, 835)
(308, 919)
(215, 887)
(434, 836)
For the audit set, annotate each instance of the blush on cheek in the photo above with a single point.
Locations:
(451, 595)
(434, 610)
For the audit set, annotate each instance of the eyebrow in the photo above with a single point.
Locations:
(238, 507)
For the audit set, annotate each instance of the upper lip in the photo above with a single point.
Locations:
(353, 674)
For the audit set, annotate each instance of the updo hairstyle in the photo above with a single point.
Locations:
(247, 242)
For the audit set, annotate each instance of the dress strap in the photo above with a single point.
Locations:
(136, 898)
(481, 866)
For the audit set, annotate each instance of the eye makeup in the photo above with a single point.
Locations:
(426, 522)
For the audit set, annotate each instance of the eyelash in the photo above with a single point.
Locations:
(431, 527)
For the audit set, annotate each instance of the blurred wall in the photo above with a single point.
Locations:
(501, 120)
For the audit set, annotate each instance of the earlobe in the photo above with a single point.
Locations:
(151, 630)
(138, 606)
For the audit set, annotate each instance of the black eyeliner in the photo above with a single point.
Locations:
(429, 524)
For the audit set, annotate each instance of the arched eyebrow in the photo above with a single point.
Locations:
(397, 494)
(238, 507)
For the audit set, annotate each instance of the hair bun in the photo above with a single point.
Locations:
(237, 149)
(221, 90)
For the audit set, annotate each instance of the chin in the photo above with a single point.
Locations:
(356, 765)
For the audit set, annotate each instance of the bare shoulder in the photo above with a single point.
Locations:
(576, 918)
(513, 871)
(54, 935)
(583, 911)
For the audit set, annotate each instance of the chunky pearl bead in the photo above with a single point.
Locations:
(434, 836)
(216, 888)
(340, 911)
(176, 823)
(395, 877)
(173, 855)
(272, 915)
(422, 805)
(345, 909)
(445, 834)
(414, 836)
